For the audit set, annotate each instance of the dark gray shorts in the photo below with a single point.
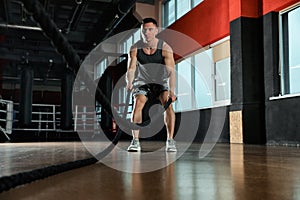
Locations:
(150, 89)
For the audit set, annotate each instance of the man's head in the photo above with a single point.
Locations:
(149, 29)
(149, 20)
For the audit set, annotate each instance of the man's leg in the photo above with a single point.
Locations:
(169, 115)
(137, 116)
(169, 119)
(139, 103)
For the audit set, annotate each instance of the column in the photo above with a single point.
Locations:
(247, 120)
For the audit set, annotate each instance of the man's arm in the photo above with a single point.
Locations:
(170, 65)
(132, 62)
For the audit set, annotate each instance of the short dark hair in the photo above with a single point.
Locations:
(149, 20)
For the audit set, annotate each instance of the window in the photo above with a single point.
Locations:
(182, 7)
(174, 9)
(100, 68)
(203, 78)
(130, 40)
(184, 88)
(168, 13)
(119, 99)
(196, 2)
(125, 46)
(202, 82)
(222, 80)
(289, 48)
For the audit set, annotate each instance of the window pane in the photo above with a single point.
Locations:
(100, 68)
(169, 13)
(294, 43)
(174, 9)
(136, 36)
(98, 71)
(122, 47)
(203, 79)
(128, 44)
(183, 6)
(222, 81)
(196, 2)
(184, 86)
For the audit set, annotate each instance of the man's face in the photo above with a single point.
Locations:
(149, 31)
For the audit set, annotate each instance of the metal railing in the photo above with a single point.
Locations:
(86, 119)
(6, 117)
(43, 118)
(46, 117)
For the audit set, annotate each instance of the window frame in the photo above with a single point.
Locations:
(102, 64)
(166, 12)
(226, 101)
(284, 68)
(212, 78)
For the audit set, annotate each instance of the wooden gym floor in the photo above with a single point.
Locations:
(229, 171)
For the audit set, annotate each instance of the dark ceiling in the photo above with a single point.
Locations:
(84, 23)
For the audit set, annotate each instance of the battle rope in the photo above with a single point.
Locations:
(53, 33)
(9, 182)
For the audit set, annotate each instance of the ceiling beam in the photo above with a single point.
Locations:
(79, 11)
(6, 9)
(37, 33)
(22, 56)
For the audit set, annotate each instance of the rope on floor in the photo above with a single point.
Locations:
(9, 182)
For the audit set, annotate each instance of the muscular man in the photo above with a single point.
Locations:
(151, 69)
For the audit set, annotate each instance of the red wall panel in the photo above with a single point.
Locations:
(206, 23)
(210, 20)
(276, 5)
(244, 8)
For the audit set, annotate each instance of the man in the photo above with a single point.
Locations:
(151, 70)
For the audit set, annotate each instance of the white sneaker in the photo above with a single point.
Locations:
(134, 146)
(170, 145)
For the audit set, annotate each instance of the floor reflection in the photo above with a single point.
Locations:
(228, 172)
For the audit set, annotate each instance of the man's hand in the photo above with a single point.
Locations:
(172, 96)
(129, 86)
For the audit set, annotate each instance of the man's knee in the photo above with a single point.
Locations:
(164, 97)
(140, 101)
(170, 110)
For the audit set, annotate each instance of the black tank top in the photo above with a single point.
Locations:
(151, 68)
